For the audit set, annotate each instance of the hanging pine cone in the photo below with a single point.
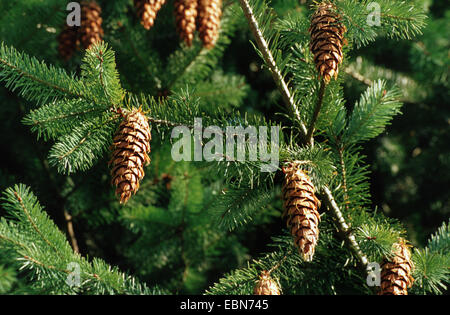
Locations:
(130, 147)
(266, 285)
(67, 42)
(185, 15)
(301, 209)
(147, 11)
(327, 39)
(396, 272)
(91, 30)
(208, 21)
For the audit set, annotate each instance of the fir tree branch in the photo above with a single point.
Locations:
(98, 277)
(372, 113)
(100, 73)
(33, 224)
(35, 80)
(345, 229)
(309, 133)
(344, 176)
(270, 62)
(81, 148)
(358, 76)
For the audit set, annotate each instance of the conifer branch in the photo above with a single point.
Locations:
(358, 76)
(309, 134)
(344, 176)
(345, 229)
(270, 62)
(25, 74)
(33, 224)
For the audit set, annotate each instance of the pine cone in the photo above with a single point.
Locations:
(147, 11)
(91, 30)
(185, 15)
(396, 272)
(67, 42)
(301, 209)
(130, 147)
(208, 21)
(327, 39)
(266, 285)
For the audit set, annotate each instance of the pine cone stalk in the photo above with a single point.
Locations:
(208, 21)
(147, 11)
(396, 272)
(327, 40)
(266, 285)
(131, 146)
(91, 30)
(185, 16)
(301, 209)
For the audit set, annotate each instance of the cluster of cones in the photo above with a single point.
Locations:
(190, 15)
(131, 143)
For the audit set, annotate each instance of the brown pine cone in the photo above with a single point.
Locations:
(130, 147)
(185, 15)
(301, 209)
(91, 30)
(208, 21)
(147, 11)
(266, 285)
(67, 42)
(327, 39)
(396, 272)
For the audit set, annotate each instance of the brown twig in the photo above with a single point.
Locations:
(70, 231)
(309, 134)
(270, 62)
(345, 229)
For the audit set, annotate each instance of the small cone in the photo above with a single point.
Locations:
(185, 15)
(301, 209)
(396, 272)
(130, 147)
(208, 21)
(91, 30)
(67, 42)
(147, 11)
(327, 39)
(266, 285)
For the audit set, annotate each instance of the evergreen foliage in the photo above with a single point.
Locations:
(204, 226)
